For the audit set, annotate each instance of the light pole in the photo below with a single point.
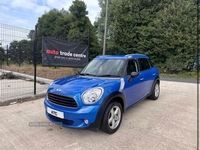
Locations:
(105, 28)
(1, 43)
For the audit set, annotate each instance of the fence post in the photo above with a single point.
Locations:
(7, 55)
(35, 58)
(198, 55)
(19, 57)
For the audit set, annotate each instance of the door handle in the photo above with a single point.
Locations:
(141, 79)
(154, 74)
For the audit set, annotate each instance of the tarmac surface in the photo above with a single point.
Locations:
(170, 123)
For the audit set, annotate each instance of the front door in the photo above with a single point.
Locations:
(133, 89)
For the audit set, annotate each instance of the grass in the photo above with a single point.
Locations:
(58, 72)
(41, 71)
(184, 75)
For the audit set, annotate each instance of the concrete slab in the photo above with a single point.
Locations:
(170, 123)
(16, 90)
(17, 87)
(21, 89)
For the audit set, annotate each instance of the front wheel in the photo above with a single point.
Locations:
(112, 118)
(156, 92)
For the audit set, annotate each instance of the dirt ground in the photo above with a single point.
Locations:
(41, 71)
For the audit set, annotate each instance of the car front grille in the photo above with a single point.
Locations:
(62, 100)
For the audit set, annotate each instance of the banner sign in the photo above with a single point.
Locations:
(62, 53)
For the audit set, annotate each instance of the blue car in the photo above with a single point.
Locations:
(98, 95)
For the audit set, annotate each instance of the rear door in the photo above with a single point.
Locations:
(149, 73)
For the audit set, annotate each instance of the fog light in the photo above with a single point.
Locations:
(86, 121)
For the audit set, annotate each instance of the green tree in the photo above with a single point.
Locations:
(173, 35)
(26, 51)
(31, 35)
(49, 23)
(13, 52)
(2, 55)
(72, 26)
(53, 24)
(21, 52)
(162, 29)
(80, 26)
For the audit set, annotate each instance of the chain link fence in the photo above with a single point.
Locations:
(16, 49)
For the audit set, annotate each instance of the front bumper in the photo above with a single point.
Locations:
(73, 118)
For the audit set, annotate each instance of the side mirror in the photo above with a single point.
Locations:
(132, 75)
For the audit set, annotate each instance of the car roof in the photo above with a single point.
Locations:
(121, 56)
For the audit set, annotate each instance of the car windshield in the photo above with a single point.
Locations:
(104, 68)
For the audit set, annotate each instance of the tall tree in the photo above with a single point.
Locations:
(53, 24)
(26, 48)
(31, 35)
(81, 29)
(173, 35)
(162, 29)
(72, 25)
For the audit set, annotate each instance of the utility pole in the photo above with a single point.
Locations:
(1, 43)
(35, 58)
(105, 28)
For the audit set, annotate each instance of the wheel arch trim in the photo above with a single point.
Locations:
(117, 96)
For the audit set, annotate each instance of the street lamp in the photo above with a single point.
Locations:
(1, 43)
(105, 28)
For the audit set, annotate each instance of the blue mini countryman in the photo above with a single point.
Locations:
(98, 95)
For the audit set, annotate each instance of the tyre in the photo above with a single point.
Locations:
(112, 118)
(156, 92)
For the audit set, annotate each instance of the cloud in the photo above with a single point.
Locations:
(4, 8)
(16, 21)
(25, 13)
(59, 4)
(41, 9)
(22, 4)
(93, 9)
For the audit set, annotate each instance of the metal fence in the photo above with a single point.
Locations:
(15, 49)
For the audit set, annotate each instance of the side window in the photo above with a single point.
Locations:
(144, 64)
(132, 66)
(151, 64)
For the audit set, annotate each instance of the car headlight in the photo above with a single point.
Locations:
(91, 96)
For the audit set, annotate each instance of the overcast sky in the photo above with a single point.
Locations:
(25, 13)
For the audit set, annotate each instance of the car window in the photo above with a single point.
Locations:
(144, 64)
(132, 66)
(104, 67)
(151, 64)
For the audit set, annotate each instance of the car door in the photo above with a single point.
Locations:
(149, 74)
(133, 90)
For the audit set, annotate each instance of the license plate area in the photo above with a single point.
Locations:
(55, 113)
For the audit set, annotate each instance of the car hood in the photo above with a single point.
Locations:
(73, 85)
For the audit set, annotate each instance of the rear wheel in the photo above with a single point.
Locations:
(112, 118)
(156, 92)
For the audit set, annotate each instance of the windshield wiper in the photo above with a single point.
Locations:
(86, 74)
(108, 75)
